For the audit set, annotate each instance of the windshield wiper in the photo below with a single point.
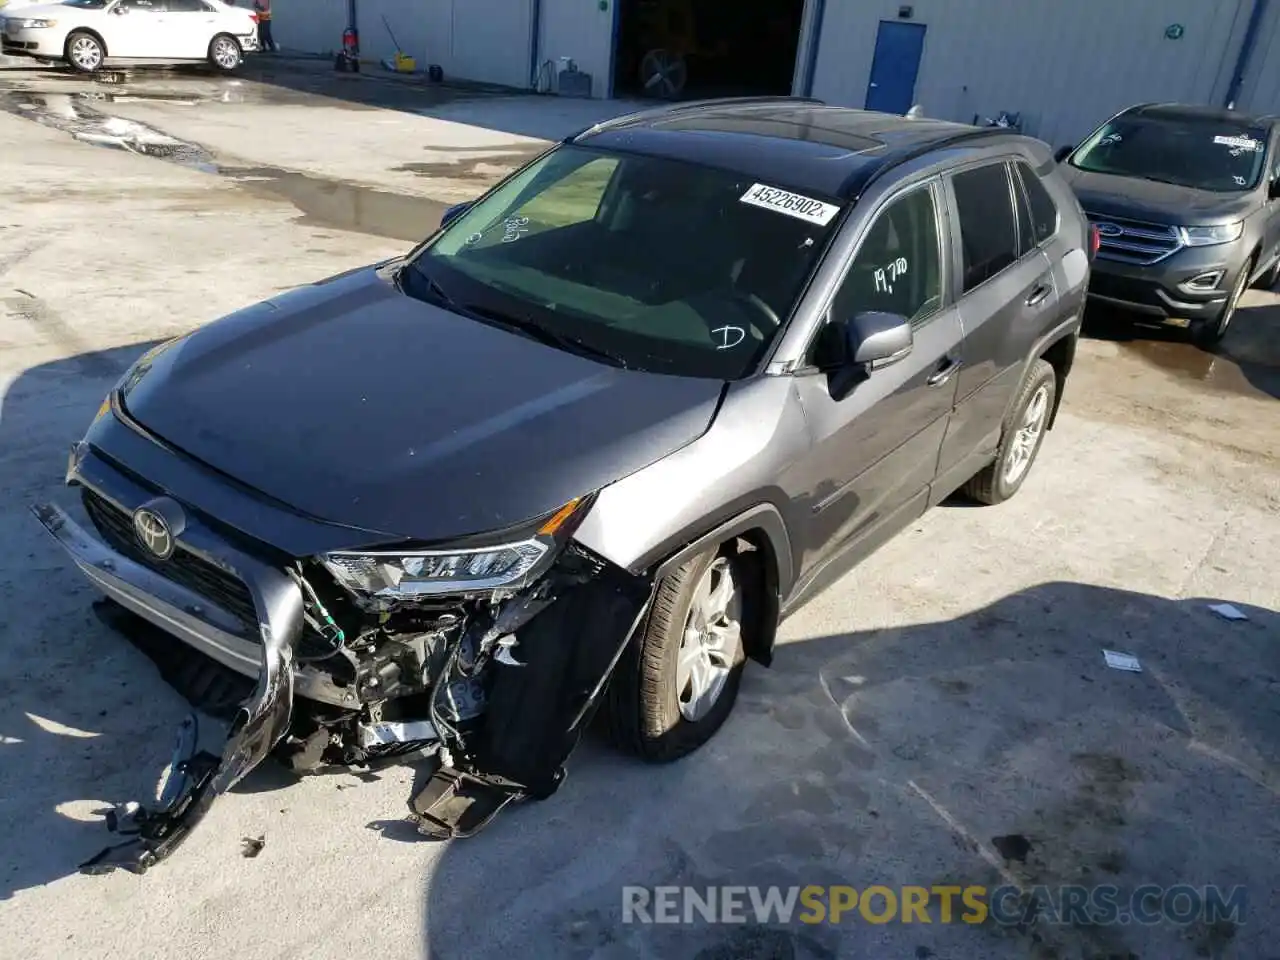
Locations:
(515, 323)
(527, 326)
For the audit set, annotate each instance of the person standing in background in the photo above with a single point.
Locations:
(263, 9)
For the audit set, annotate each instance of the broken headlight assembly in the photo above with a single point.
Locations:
(408, 574)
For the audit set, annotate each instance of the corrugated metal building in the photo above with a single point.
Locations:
(1063, 66)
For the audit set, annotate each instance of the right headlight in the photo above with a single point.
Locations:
(1209, 236)
(408, 574)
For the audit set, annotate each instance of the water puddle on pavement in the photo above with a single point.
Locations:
(343, 206)
(322, 202)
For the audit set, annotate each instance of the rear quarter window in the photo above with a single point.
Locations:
(1042, 209)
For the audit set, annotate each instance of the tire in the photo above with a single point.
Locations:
(84, 52)
(1034, 405)
(225, 54)
(1209, 332)
(648, 712)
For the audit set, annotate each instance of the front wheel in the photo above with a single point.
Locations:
(85, 52)
(1209, 332)
(1020, 443)
(678, 682)
(224, 53)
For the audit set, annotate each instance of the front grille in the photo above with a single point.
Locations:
(1138, 242)
(184, 567)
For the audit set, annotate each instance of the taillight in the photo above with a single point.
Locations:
(253, 17)
(1095, 240)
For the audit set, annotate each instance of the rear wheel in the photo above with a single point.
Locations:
(678, 683)
(85, 52)
(224, 53)
(1020, 443)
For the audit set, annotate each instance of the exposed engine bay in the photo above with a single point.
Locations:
(493, 689)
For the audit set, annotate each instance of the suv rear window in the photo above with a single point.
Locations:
(1043, 211)
(988, 228)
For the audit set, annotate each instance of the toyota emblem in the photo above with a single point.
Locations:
(152, 531)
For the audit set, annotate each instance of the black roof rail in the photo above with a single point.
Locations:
(855, 186)
(686, 106)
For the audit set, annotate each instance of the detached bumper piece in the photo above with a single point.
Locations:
(455, 805)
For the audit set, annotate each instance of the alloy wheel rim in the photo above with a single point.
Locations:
(1025, 439)
(224, 54)
(711, 644)
(85, 53)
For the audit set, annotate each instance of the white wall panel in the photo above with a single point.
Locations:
(579, 29)
(1065, 66)
(308, 26)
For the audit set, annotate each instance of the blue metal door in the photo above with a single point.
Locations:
(895, 66)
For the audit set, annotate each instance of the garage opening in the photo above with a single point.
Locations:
(689, 49)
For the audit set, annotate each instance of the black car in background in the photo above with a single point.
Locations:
(1187, 203)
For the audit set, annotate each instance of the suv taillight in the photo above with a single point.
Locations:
(1095, 240)
(253, 17)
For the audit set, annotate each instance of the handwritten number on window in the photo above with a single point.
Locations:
(887, 276)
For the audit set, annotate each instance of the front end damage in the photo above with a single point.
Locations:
(495, 686)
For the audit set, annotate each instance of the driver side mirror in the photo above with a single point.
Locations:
(1062, 153)
(851, 350)
(453, 213)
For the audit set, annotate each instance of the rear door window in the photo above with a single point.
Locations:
(1044, 212)
(988, 223)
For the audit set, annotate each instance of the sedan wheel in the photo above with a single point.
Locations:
(712, 642)
(224, 53)
(85, 53)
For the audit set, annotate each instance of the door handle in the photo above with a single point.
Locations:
(946, 370)
(1038, 294)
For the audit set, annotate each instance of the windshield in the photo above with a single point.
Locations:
(646, 263)
(1191, 152)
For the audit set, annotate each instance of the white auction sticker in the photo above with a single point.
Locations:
(1240, 143)
(792, 204)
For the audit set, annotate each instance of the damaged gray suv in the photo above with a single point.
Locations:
(582, 449)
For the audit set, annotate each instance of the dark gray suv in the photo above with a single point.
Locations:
(586, 445)
(1186, 200)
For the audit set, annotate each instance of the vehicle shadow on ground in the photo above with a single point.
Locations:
(911, 756)
(1246, 361)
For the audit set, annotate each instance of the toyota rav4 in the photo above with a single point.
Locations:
(583, 447)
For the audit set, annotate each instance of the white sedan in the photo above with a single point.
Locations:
(90, 34)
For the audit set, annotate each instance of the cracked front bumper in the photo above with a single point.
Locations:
(194, 619)
(196, 779)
